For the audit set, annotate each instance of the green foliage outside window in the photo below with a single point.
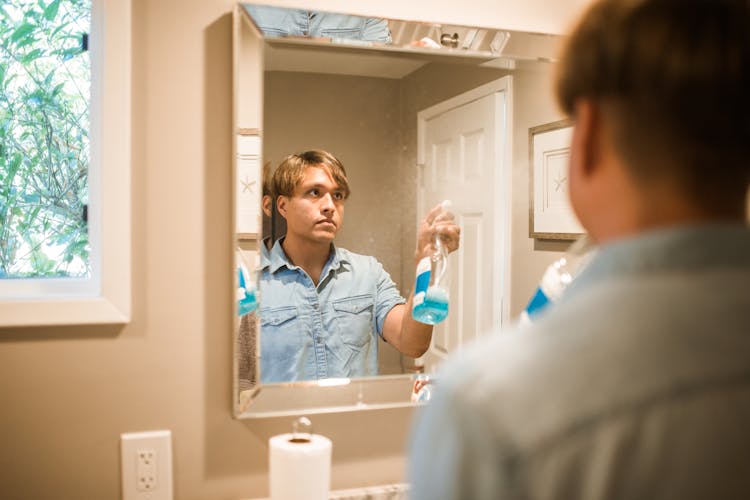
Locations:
(44, 138)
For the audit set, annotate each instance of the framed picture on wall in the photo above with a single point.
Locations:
(550, 213)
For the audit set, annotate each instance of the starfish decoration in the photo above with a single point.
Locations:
(247, 185)
(559, 181)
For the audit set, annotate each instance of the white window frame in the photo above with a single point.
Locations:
(105, 298)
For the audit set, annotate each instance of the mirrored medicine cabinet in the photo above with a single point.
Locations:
(417, 111)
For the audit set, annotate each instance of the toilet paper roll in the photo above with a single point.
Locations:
(300, 469)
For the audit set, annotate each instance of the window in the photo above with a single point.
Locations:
(44, 139)
(64, 162)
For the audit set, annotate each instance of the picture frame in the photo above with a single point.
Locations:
(550, 213)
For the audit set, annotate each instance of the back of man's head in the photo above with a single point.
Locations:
(674, 77)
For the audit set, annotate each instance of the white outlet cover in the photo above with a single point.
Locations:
(146, 465)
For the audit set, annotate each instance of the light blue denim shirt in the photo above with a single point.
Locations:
(331, 330)
(279, 22)
(635, 385)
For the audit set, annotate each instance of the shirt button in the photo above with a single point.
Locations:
(315, 306)
(319, 340)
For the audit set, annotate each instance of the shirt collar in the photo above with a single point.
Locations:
(676, 249)
(277, 258)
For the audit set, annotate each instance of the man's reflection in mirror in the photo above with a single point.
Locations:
(281, 22)
(324, 307)
(246, 347)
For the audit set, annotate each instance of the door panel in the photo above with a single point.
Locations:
(462, 149)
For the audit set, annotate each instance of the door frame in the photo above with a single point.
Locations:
(502, 89)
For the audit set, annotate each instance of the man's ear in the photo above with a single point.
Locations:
(583, 161)
(586, 143)
(281, 205)
(266, 205)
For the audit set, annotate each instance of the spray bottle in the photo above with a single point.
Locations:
(557, 277)
(247, 300)
(431, 291)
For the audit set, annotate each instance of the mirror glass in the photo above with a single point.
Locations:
(385, 97)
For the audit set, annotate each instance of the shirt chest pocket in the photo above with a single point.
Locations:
(354, 320)
(277, 316)
(280, 335)
(278, 319)
(337, 26)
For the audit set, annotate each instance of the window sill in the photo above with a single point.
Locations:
(74, 311)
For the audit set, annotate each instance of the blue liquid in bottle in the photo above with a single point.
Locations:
(430, 302)
(434, 309)
(247, 301)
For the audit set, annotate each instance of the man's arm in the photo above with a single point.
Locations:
(404, 333)
(400, 330)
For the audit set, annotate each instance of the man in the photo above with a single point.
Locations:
(637, 383)
(322, 306)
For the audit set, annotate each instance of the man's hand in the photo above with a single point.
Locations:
(438, 221)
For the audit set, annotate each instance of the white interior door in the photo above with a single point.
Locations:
(464, 156)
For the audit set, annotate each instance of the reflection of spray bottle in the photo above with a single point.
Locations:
(247, 300)
(557, 277)
(430, 302)
(421, 389)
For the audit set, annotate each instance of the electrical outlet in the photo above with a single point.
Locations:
(146, 463)
(145, 470)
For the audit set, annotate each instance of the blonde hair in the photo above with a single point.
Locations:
(292, 169)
